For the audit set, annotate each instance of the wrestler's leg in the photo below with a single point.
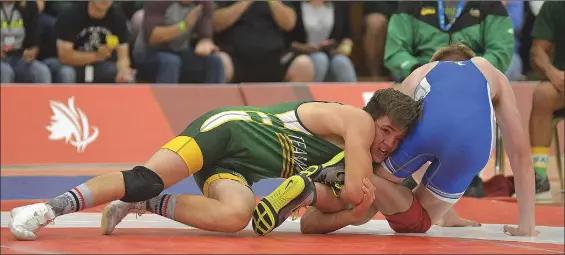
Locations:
(162, 170)
(227, 204)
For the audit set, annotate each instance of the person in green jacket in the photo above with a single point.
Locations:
(418, 29)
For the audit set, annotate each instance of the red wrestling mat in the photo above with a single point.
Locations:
(78, 234)
(145, 241)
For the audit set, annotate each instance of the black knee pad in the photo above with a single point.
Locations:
(141, 184)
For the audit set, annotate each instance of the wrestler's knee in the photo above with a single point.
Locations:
(236, 220)
(414, 220)
(141, 184)
(237, 204)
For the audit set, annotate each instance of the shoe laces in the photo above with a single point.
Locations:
(35, 219)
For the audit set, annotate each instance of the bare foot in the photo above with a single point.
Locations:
(457, 222)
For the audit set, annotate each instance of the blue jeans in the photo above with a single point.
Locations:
(60, 73)
(104, 72)
(15, 69)
(336, 68)
(178, 67)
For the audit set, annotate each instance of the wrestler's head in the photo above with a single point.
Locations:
(394, 114)
(454, 52)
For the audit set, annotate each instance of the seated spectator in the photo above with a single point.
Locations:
(515, 10)
(323, 31)
(548, 57)
(377, 15)
(19, 43)
(418, 29)
(162, 51)
(136, 25)
(253, 34)
(47, 42)
(129, 8)
(87, 35)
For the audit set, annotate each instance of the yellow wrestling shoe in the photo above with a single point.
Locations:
(296, 192)
(271, 211)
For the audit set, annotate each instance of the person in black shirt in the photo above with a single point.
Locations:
(253, 35)
(87, 35)
(48, 11)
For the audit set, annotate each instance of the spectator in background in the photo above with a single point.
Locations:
(418, 29)
(323, 31)
(253, 34)
(515, 10)
(47, 43)
(47, 19)
(548, 57)
(136, 25)
(87, 34)
(377, 15)
(162, 51)
(19, 43)
(129, 8)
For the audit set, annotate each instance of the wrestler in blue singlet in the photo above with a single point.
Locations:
(455, 132)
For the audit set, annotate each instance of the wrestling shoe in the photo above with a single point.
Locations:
(543, 189)
(25, 221)
(116, 211)
(271, 211)
(331, 173)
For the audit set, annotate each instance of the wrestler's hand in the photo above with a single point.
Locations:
(359, 212)
(520, 231)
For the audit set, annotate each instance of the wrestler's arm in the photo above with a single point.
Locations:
(333, 216)
(515, 143)
(357, 129)
(315, 221)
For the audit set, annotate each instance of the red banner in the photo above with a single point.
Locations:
(105, 124)
(80, 124)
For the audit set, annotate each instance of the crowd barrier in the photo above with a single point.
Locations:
(125, 124)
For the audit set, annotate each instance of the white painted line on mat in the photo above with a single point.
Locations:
(524, 247)
(493, 232)
(28, 250)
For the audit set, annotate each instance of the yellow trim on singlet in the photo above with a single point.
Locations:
(219, 176)
(189, 150)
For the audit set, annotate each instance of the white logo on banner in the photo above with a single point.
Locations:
(71, 124)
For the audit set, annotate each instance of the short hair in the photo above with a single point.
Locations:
(459, 49)
(402, 110)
